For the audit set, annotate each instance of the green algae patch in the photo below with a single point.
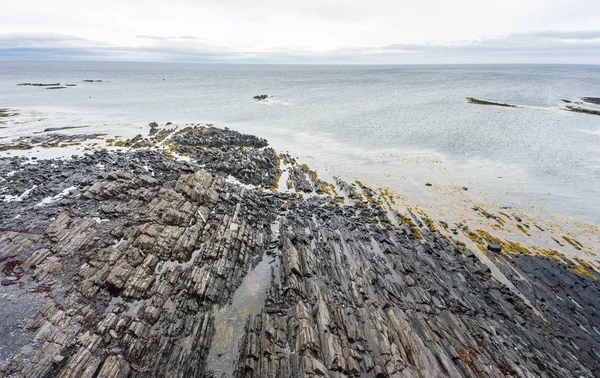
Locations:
(481, 238)
(584, 268)
(523, 229)
(577, 245)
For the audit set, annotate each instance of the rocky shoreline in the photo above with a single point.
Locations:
(200, 251)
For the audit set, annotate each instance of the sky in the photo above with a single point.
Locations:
(308, 31)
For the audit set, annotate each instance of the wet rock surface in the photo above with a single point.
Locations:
(134, 263)
(49, 140)
(358, 298)
(246, 157)
(143, 246)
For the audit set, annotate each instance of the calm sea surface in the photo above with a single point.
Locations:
(399, 126)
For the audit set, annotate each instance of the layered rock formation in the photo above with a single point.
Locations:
(358, 297)
(133, 262)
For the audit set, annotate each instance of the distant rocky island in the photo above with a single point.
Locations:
(263, 97)
(202, 252)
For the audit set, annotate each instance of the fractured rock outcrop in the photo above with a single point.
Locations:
(131, 259)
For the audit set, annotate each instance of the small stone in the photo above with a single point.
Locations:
(291, 235)
(494, 248)
(58, 359)
(428, 184)
(465, 188)
(115, 351)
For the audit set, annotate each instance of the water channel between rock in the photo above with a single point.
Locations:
(230, 320)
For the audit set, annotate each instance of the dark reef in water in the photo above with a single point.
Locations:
(571, 108)
(49, 129)
(592, 100)
(47, 86)
(123, 259)
(483, 102)
(38, 84)
(577, 109)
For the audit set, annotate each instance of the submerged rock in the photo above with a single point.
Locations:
(6, 113)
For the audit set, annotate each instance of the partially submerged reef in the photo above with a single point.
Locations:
(473, 100)
(56, 85)
(199, 251)
(5, 114)
(47, 86)
(578, 109)
(571, 108)
(592, 100)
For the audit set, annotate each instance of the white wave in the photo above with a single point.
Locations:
(10, 198)
(271, 101)
(591, 132)
(49, 200)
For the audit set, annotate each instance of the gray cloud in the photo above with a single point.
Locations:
(158, 38)
(153, 37)
(538, 47)
(43, 40)
(570, 35)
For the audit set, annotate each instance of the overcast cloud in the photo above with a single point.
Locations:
(309, 31)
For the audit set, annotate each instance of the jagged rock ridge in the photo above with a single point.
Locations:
(134, 252)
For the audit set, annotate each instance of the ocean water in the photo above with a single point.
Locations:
(396, 126)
